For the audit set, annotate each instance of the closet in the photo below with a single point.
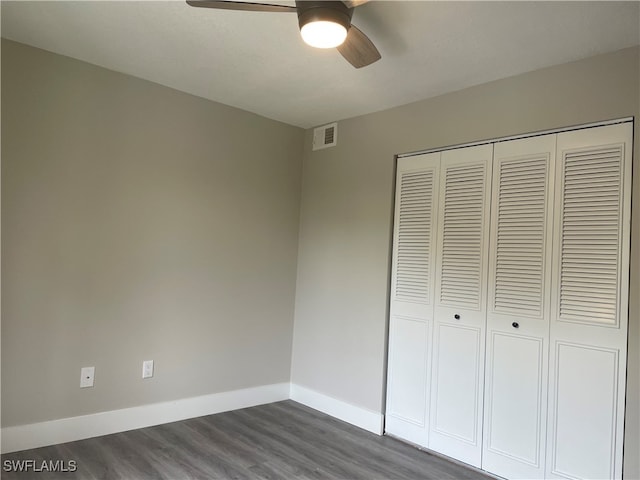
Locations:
(509, 303)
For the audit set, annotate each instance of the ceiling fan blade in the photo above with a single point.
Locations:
(247, 6)
(358, 50)
(354, 3)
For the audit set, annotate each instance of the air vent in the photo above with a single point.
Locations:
(325, 136)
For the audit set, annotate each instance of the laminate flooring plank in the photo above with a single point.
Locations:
(178, 453)
(194, 464)
(283, 440)
(91, 458)
(368, 447)
(334, 461)
(315, 432)
(280, 453)
(376, 449)
(169, 459)
(204, 453)
(345, 446)
(318, 445)
(225, 441)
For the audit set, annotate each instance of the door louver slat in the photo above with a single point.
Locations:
(460, 281)
(521, 212)
(413, 237)
(590, 236)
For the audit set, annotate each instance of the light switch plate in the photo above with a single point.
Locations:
(147, 369)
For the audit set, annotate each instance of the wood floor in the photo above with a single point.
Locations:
(277, 441)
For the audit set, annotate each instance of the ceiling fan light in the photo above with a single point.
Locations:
(323, 23)
(323, 34)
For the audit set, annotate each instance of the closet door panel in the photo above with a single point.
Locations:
(515, 406)
(412, 292)
(518, 310)
(590, 303)
(456, 415)
(409, 360)
(586, 409)
(460, 303)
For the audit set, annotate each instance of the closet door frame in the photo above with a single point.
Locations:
(555, 341)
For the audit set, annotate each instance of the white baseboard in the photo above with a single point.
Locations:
(36, 435)
(358, 416)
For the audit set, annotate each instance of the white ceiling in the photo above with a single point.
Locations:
(258, 62)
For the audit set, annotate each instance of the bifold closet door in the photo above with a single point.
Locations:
(460, 303)
(412, 289)
(518, 309)
(589, 303)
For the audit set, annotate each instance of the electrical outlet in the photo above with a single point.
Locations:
(87, 375)
(147, 369)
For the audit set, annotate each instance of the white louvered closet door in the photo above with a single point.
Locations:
(412, 289)
(460, 303)
(518, 308)
(589, 303)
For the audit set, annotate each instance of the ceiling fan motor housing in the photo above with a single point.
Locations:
(314, 11)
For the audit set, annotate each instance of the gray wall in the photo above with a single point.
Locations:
(138, 223)
(346, 215)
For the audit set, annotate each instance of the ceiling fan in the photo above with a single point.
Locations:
(323, 24)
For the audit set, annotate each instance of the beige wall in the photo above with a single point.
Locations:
(346, 215)
(138, 223)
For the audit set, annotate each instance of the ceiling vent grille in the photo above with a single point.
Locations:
(325, 136)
